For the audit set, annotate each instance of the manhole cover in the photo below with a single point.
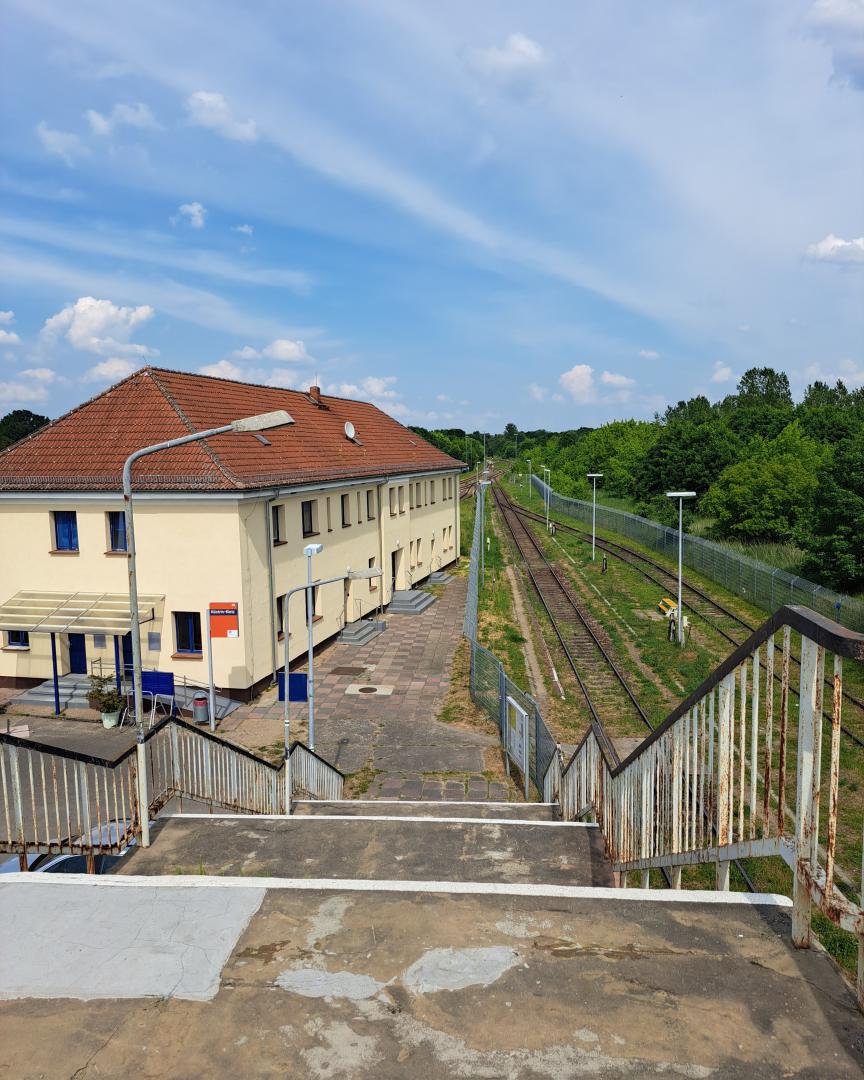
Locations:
(367, 690)
(348, 671)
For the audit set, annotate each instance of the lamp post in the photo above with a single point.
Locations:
(482, 490)
(680, 496)
(530, 477)
(594, 477)
(309, 587)
(547, 481)
(250, 423)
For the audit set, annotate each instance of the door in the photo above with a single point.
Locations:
(395, 562)
(127, 654)
(77, 654)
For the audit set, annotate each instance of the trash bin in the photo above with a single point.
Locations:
(200, 709)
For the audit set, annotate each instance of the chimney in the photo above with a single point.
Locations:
(315, 394)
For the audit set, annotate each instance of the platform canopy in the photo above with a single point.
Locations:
(40, 612)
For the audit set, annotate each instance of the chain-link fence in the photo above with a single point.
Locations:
(490, 684)
(765, 586)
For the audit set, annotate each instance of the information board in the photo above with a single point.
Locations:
(517, 735)
(224, 620)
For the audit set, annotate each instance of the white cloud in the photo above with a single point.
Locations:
(7, 317)
(285, 350)
(442, 397)
(579, 383)
(21, 392)
(722, 373)
(209, 109)
(100, 327)
(609, 378)
(649, 354)
(137, 116)
(836, 249)
(849, 371)
(246, 353)
(517, 58)
(109, 371)
(194, 211)
(223, 369)
(41, 374)
(379, 390)
(65, 144)
(247, 230)
(7, 337)
(537, 392)
(840, 24)
(557, 398)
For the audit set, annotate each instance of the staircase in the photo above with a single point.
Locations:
(409, 602)
(361, 632)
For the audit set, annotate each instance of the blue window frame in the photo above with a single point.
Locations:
(187, 631)
(117, 530)
(65, 530)
(18, 639)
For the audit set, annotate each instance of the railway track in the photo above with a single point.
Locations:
(578, 640)
(607, 693)
(727, 623)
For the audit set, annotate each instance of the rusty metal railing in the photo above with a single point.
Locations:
(731, 774)
(59, 801)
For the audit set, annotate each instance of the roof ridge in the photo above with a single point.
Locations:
(190, 427)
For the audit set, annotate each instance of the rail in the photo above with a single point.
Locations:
(60, 801)
(714, 782)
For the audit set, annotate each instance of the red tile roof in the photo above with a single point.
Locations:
(86, 448)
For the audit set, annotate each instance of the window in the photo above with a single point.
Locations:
(65, 530)
(346, 511)
(278, 521)
(116, 530)
(392, 494)
(419, 552)
(373, 582)
(425, 492)
(432, 486)
(401, 498)
(359, 508)
(187, 631)
(280, 616)
(370, 504)
(309, 515)
(100, 641)
(411, 554)
(417, 494)
(315, 616)
(17, 639)
(329, 518)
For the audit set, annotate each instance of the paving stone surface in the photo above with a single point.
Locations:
(413, 754)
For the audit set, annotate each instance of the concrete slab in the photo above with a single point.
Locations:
(316, 847)
(131, 943)
(353, 987)
(404, 808)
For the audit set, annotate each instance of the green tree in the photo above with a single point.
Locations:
(18, 424)
(835, 550)
(770, 494)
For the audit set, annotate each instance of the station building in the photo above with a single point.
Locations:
(220, 521)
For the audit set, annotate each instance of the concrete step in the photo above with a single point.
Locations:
(409, 602)
(440, 577)
(361, 632)
(501, 850)
(428, 808)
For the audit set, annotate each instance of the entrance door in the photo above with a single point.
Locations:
(77, 654)
(127, 654)
(395, 564)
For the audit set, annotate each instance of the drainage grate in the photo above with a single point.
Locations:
(348, 671)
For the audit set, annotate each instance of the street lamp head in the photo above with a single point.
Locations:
(680, 494)
(594, 475)
(313, 549)
(263, 421)
(359, 575)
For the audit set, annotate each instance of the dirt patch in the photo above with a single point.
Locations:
(536, 681)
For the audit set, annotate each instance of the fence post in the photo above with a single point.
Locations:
(502, 703)
(809, 732)
(724, 749)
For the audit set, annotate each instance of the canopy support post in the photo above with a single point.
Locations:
(118, 674)
(56, 678)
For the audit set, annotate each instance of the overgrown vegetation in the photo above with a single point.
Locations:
(18, 424)
(767, 471)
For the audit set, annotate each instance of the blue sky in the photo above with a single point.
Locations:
(550, 213)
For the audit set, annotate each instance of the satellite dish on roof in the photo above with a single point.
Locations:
(349, 430)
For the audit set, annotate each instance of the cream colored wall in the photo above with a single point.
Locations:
(188, 552)
(195, 552)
